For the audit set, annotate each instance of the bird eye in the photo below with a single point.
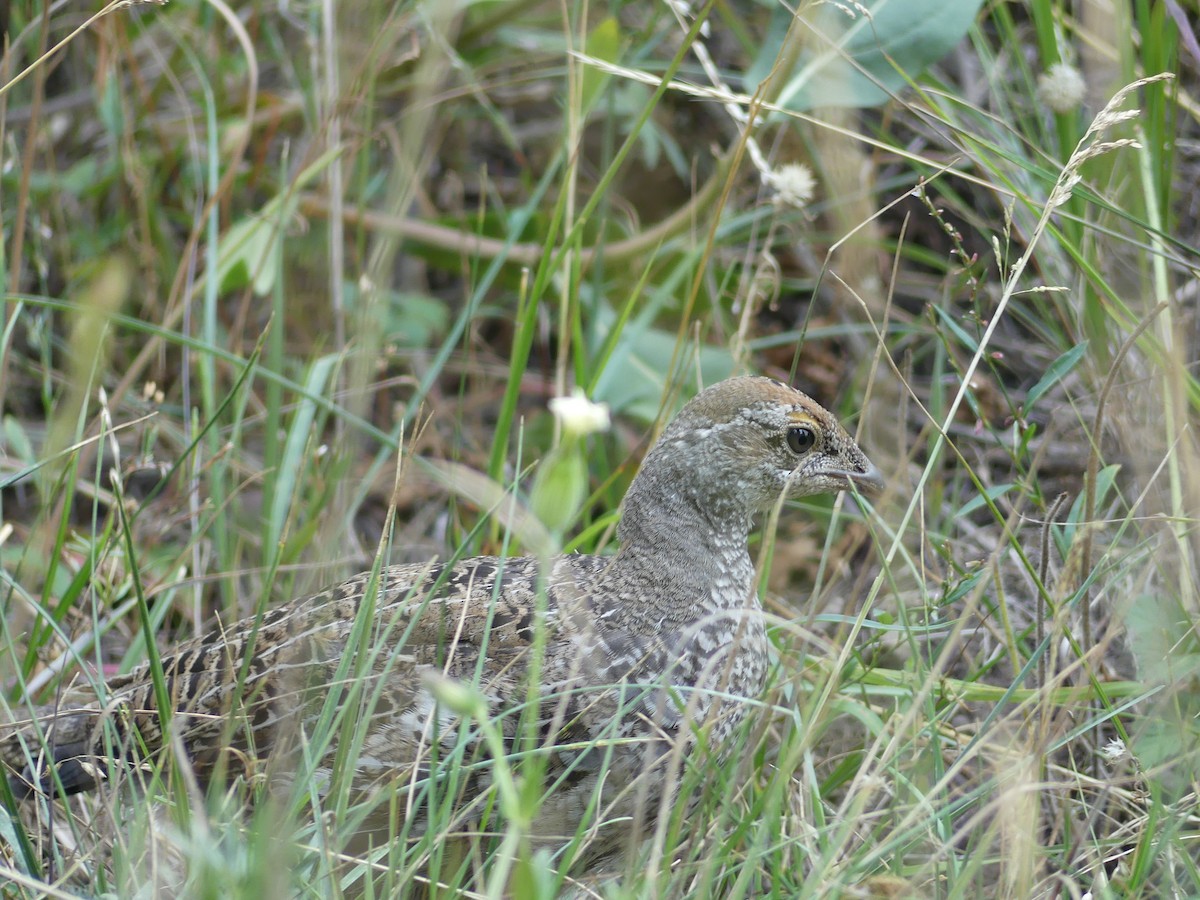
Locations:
(800, 440)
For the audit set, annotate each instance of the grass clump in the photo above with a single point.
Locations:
(255, 256)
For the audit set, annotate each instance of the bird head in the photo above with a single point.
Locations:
(756, 439)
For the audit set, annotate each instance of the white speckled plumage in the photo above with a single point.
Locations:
(637, 645)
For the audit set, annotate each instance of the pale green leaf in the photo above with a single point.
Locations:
(862, 60)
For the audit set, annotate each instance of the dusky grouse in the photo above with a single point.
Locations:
(633, 653)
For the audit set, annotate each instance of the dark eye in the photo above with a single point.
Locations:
(800, 440)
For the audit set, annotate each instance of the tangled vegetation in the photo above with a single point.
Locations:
(288, 286)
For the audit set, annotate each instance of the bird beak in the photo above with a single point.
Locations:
(869, 480)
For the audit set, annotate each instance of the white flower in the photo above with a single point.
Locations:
(1062, 87)
(793, 183)
(1114, 750)
(578, 415)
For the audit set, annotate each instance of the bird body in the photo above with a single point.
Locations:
(624, 656)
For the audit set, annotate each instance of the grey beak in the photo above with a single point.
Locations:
(870, 479)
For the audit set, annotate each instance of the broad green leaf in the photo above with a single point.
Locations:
(603, 43)
(299, 436)
(635, 380)
(993, 493)
(862, 60)
(109, 105)
(251, 249)
(560, 487)
(251, 253)
(1158, 638)
(957, 330)
(1054, 374)
(404, 318)
(16, 441)
(1105, 480)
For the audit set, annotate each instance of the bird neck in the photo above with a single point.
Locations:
(692, 547)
